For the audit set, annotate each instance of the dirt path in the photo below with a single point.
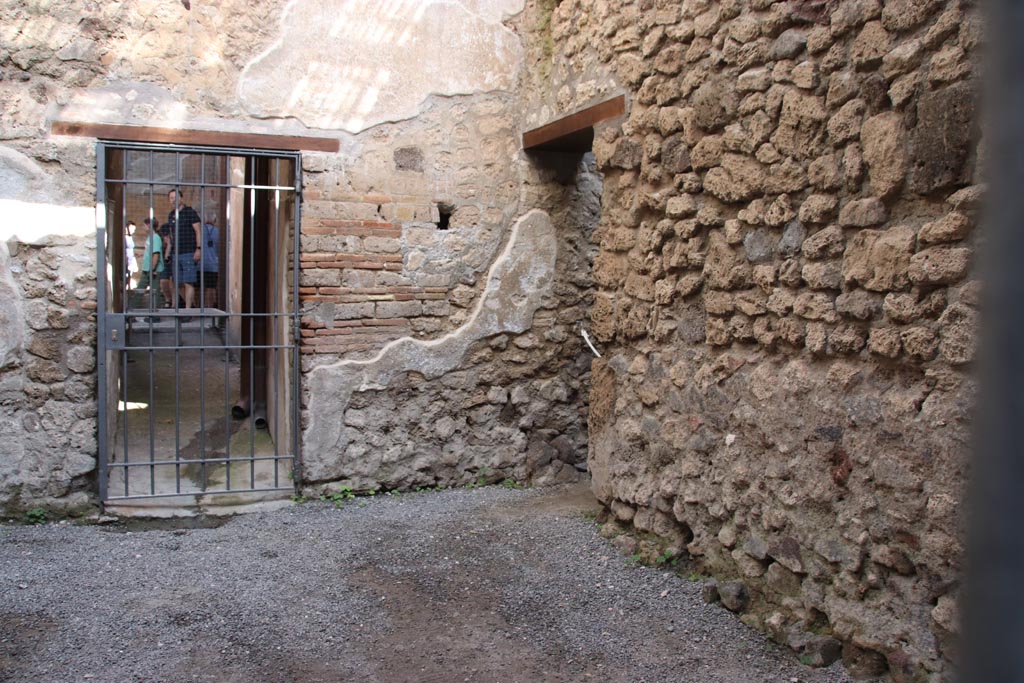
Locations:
(481, 585)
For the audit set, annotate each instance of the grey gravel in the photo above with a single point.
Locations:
(462, 585)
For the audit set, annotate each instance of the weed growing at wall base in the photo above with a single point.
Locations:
(344, 493)
(35, 516)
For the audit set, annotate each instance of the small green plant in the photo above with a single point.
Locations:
(806, 660)
(35, 516)
(695, 576)
(633, 560)
(512, 484)
(668, 558)
(481, 479)
(299, 499)
(344, 493)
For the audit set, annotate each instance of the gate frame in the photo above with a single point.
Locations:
(103, 329)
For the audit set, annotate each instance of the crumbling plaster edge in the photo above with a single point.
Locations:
(517, 282)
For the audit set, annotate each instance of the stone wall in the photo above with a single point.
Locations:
(491, 387)
(48, 380)
(786, 301)
(402, 231)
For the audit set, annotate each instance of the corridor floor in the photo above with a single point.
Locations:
(485, 584)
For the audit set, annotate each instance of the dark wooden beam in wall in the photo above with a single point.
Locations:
(109, 131)
(575, 132)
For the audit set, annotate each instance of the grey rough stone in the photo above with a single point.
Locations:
(859, 305)
(786, 551)
(627, 154)
(781, 580)
(675, 155)
(81, 359)
(792, 239)
(709, 591)
(821, 651)
(788, 45)
(942, 142)
(734, 595)
(714, 106)
(756, 548)
(758, 246)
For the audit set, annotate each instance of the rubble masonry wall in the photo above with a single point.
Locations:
(786, 300)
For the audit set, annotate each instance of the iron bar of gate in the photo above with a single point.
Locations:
(993, 601)
(124, 278)
(153, 228)
(175, 233)
(199, 149)
(101, 319)
(225, 277)
(118, 499)
(274, 322)
(218, 459)
(200, 293)
(187, 347)
(252, 307)
(295, 245)
(226, 186)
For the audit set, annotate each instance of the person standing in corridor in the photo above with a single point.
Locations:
(186, 227)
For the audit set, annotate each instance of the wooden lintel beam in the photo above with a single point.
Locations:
(546, 137)
(109, 131)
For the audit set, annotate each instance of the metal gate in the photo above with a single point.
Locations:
(198, 320)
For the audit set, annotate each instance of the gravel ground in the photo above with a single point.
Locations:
(475, 585)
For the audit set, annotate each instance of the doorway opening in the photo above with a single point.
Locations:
(198, 320)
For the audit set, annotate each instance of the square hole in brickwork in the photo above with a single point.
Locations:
(444, 215)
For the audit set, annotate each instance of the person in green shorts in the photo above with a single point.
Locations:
(152, 258)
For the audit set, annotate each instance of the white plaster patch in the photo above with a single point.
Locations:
(516, 284)
(32, 202)
(352, 64)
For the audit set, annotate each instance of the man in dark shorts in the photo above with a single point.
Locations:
(186, 227)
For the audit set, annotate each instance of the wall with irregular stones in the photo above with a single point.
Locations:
(404, 232)
(787, 302)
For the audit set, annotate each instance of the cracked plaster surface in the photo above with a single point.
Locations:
(517, 282)
(352, 64)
